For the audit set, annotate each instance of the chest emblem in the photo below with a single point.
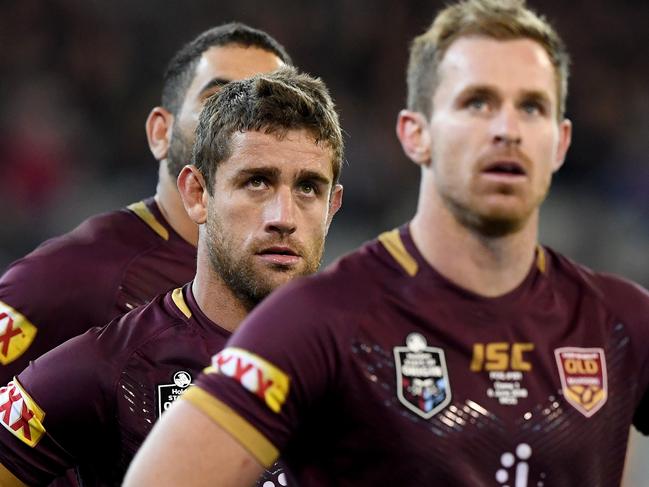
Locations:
(583, 378)
(168, 393)
(422, 378)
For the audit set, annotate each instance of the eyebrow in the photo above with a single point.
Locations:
(273, 173)
(488, 91)
(536, 95)
(313, 176)
(214, 83)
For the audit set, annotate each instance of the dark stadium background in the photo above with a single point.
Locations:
(78, 78)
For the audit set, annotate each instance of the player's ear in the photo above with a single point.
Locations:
(193, 192)
(565, 137)
(335, 202)
(158, 131)
(412, 131)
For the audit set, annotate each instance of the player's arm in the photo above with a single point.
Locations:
(48, 414)
(7, 479)
(188, 448)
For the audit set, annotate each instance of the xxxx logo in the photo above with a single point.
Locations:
(20, 415)
(253, 373)
(16, 334)
(583, 377)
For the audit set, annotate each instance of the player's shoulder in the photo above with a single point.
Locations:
(140, 327)
(86, 257)
(622, 296)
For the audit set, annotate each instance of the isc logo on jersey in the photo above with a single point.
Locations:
(16, 334)
(20, 415)
(255, 374)
(583, 377)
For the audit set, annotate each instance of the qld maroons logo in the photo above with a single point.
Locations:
(583, 377)
(422, 378)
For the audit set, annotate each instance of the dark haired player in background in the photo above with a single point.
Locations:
(454, 350)
(263, 190)
(116, 261)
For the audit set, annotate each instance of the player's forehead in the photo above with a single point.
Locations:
(285, 154)
(508, 66)
(230, 62)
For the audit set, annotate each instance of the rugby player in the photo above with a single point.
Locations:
(454, 350)
(263, 190)
(116, 261)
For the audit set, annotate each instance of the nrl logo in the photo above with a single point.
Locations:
(422, 378)
(583, 377)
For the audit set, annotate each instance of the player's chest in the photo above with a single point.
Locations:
(537, 389)
(152, 381)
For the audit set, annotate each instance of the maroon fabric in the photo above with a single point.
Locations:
(99, 391)
(363, 409)
(103, 391)
(107, 266)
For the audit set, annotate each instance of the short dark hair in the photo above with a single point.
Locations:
(180, 70)
(273, 103)
(496, 19)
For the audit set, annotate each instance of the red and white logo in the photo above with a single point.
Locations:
(16, 334)
(583, 377)
(20, 414)
(255, 374)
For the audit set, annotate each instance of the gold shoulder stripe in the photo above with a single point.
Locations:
(16, 334)
(540, 259)
(178, 298)
(392, 242)
(8, 479)
(251, 439)
(149, 218)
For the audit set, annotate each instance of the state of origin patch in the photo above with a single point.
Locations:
(422, 378)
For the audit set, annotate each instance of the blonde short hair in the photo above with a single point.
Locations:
(497, 19)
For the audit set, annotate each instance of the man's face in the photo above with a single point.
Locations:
(494, 132)
(270, 212)
(217, 66)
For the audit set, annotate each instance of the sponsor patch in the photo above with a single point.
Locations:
(20, 415)
(422, 378)
(583, 377)
(16, 334)
(168, 393)
(255, 374)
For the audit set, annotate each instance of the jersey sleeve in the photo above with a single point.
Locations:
(630, 304)
(47, 298)
(54, 411)
(283, 360)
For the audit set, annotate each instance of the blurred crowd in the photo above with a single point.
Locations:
(78, 79)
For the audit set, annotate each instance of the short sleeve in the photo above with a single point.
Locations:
(51, 414)
(282, 362)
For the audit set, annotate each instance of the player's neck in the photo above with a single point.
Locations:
(214, 298)
(486, 266)
(171, 206)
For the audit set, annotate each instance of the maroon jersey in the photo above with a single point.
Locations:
(90, 402)
(105, 267)
(380, 371)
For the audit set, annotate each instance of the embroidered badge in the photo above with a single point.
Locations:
(583, 377)
(168, 393)
(422, 377)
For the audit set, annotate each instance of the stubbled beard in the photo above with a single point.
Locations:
(180, 152)
(249, 286)
(492, 227)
